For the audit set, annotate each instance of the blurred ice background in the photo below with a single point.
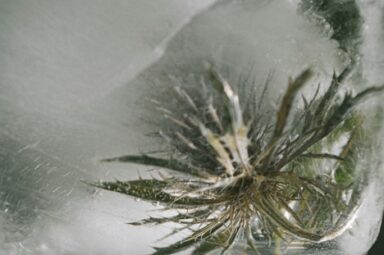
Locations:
(59, 62)
(66, 101)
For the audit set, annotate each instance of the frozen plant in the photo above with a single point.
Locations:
(238, 173)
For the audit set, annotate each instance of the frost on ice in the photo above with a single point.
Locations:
(69, 97)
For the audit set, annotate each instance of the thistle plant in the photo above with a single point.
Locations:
(237, 173)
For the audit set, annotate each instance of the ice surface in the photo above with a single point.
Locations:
(369, 218)
(56, 59)
(69, 96)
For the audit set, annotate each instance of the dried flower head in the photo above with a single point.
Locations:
(238, 173)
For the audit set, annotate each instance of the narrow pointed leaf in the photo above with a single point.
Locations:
(348, 103)
(171, 164)
(321, 156)
(177, 218)
(152, 190)
(188, 242)
(286, 104)
(222, 240)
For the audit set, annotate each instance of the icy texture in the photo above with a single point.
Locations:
(56, 59)
(270, 37)
(65, 102)
(369, 218)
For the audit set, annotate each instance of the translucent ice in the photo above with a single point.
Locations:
(56, 58)
(70, 94)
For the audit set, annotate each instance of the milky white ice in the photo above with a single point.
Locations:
(68, 97)
(60, 61)
(369, 217)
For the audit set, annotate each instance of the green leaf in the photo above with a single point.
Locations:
(145, 189)
(171, 164)
(347, 104)
(195, 217)
(286, 104)
(345, 172)
(209, 245)
(188, 242)
(152, 190)
(221, 240)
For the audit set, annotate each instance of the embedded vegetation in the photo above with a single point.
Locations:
(236, 173)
